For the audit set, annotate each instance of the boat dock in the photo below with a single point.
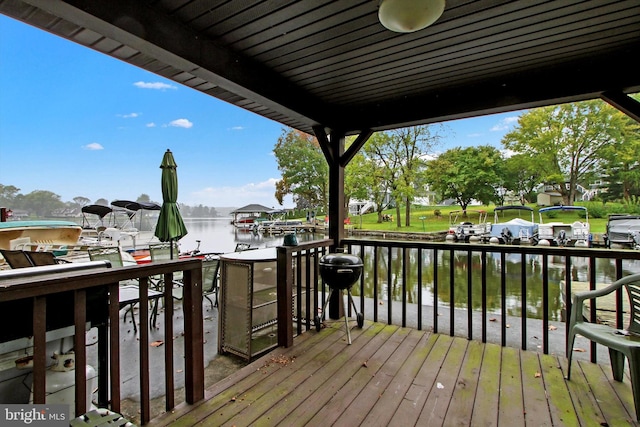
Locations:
(298, 228)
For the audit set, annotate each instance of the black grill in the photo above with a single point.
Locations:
(340, 271)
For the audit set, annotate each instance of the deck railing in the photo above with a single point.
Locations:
(461, 289)
(511, 295)
(93, 297)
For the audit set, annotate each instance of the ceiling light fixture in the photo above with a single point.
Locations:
(407, 16)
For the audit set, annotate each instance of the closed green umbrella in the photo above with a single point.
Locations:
(170, 226)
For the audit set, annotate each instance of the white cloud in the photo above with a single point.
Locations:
(129, 116)
(93, 146)
(181, 123)
(154, 85)
(151, 125)
(261, 193)
(506, 153)
(238, 128)
(505, 124)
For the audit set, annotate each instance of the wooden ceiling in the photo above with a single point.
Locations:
(331, 64)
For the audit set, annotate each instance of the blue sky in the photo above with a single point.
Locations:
(79, 123)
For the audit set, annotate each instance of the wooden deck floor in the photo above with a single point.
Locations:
(392, 376)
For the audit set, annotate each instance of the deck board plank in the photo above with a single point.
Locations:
(511, 410)
(485, 410)
(561, 402)
(392, 396)
(437, 404)
(612, 409)
(409, 409)
(226, 393)
(336, 364)
(535, 399)
(390, 376)
(464, 395)
(387, 361)
(251, 404)
(622, 389)
(339, 402)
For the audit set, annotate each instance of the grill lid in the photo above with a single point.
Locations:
(340, 260)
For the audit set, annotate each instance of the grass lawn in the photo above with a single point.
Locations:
(423, 219)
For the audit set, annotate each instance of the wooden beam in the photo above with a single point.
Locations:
(336, 211)
(624, 103)
(355, 147)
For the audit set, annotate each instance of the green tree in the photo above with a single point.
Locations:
(465, 174)
(8, 195)
(81, 201)
(365, 180)
(621, 166)
(522, 175)
(413, 145)
(305, 172)
(102, 202)
(568, 140)
(382, 151)
(398, 157)
(43, 203)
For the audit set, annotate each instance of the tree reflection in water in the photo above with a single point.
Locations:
(390, 278)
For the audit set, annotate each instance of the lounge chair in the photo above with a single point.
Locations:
(22, 259)
(16, 258)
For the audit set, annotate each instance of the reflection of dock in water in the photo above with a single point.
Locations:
(605, 306)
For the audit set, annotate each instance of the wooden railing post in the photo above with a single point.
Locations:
(285, 295)
(193, 336)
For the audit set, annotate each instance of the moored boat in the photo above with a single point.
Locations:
(473, 226)
(623, 231)
(516, 231)
(557, 233)
(22, 234)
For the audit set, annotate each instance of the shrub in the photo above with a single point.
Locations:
(437, 213)
(596, 211)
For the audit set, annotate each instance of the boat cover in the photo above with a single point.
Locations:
(620, 229)
(515, 225)
(136, 206)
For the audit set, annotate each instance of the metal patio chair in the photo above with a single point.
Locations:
(210, 276)
(164, 252)
(621, 343)
(129, 292)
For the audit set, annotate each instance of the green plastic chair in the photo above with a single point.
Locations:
(164, 252)
(106, 253)
(113, 255)
(621, 344)
(210, 276)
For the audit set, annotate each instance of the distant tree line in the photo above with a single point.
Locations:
(46, 204)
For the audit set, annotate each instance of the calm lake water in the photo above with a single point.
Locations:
(219, 235)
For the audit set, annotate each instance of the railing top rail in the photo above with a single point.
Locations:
(473, 247)
(45, 284)
(306, 245)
